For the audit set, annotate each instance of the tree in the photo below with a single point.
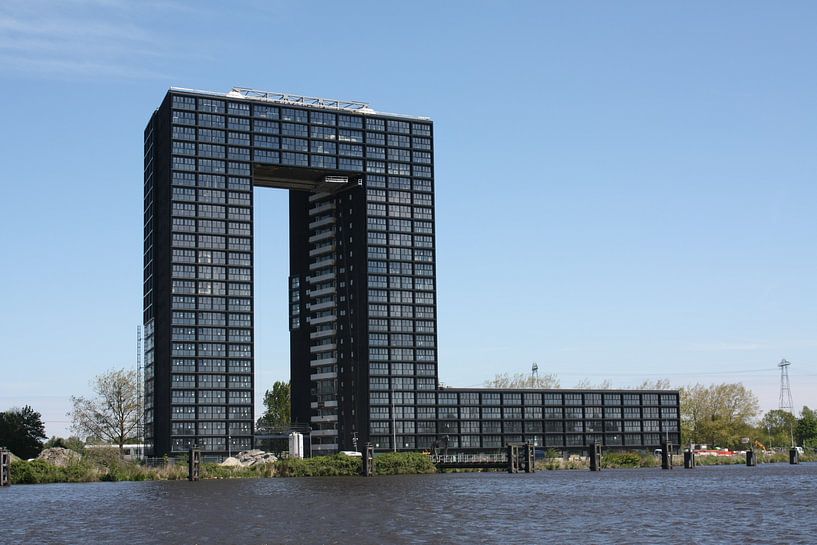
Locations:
(719, 414)
(587, 384)
(658, 384)
(806, 429)
(523, 380)
(112, 415)
(22, 432)
(278, 413)
(776, 426)
(72, 443)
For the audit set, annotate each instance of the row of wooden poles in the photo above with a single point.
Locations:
(520, 458)
(689, 457)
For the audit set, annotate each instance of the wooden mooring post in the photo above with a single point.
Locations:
(595, 456)
(751, 460)
(666, 455)
(530, 458)
(194, 464)
(794, 456)
(513, 458)
(367, 469)
(5, 467)
(689, 459)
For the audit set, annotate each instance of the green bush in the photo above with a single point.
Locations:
(41, 472)
(403, 463)
(319, 466)
(215, 471)
(614, 460)
(34, 472)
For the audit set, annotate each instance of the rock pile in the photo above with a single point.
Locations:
(60, 457)
(247, 458)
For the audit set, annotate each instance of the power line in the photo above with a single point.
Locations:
(786, 403)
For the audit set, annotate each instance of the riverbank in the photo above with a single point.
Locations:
(98, 468)
(102, 467)
(632, 460)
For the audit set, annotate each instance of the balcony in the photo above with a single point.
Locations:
(316, 307)
(323, 404)
(324, 376)
(322, 347)
(324, 418)
(324, 361)
(322, 319)
(323, 433)
(323, 334)
(318, 196)
(322, 235)
(325, 262)
(321, 277)
(320, 222)
(325, 249)
(322, 207)
(321, 292)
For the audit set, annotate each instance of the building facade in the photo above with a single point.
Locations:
(362, 287)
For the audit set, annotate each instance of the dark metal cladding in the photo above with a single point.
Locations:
(361, 292)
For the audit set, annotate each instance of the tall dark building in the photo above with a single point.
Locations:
(362, 300)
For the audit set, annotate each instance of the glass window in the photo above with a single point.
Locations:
(292, 114)
(323, 161)
(238, 108)
(323, 118)
(211, 135)
(184, 133)
(421, 129)
(294, 144)
(348, 135)
(397, 126)
(184, 102)
(265, 141)
(350, 164)
(326, 133)
(326, 148)
(267, 127)
(297, 159)
(375, 124)
(211, 120)
(266, 156)
(350, 121)
(184, 118)
(264, 111)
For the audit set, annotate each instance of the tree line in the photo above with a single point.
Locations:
(721, 415)
(110, 416)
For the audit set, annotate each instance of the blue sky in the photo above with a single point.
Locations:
(624, 190)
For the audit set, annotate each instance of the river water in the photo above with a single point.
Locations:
(768, 504)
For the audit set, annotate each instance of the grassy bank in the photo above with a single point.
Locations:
(610, 460)
(108, 467)
(777, 458)
(621, 460)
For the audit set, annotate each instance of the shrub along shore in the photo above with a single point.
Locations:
(624, 460)
(108, 467)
